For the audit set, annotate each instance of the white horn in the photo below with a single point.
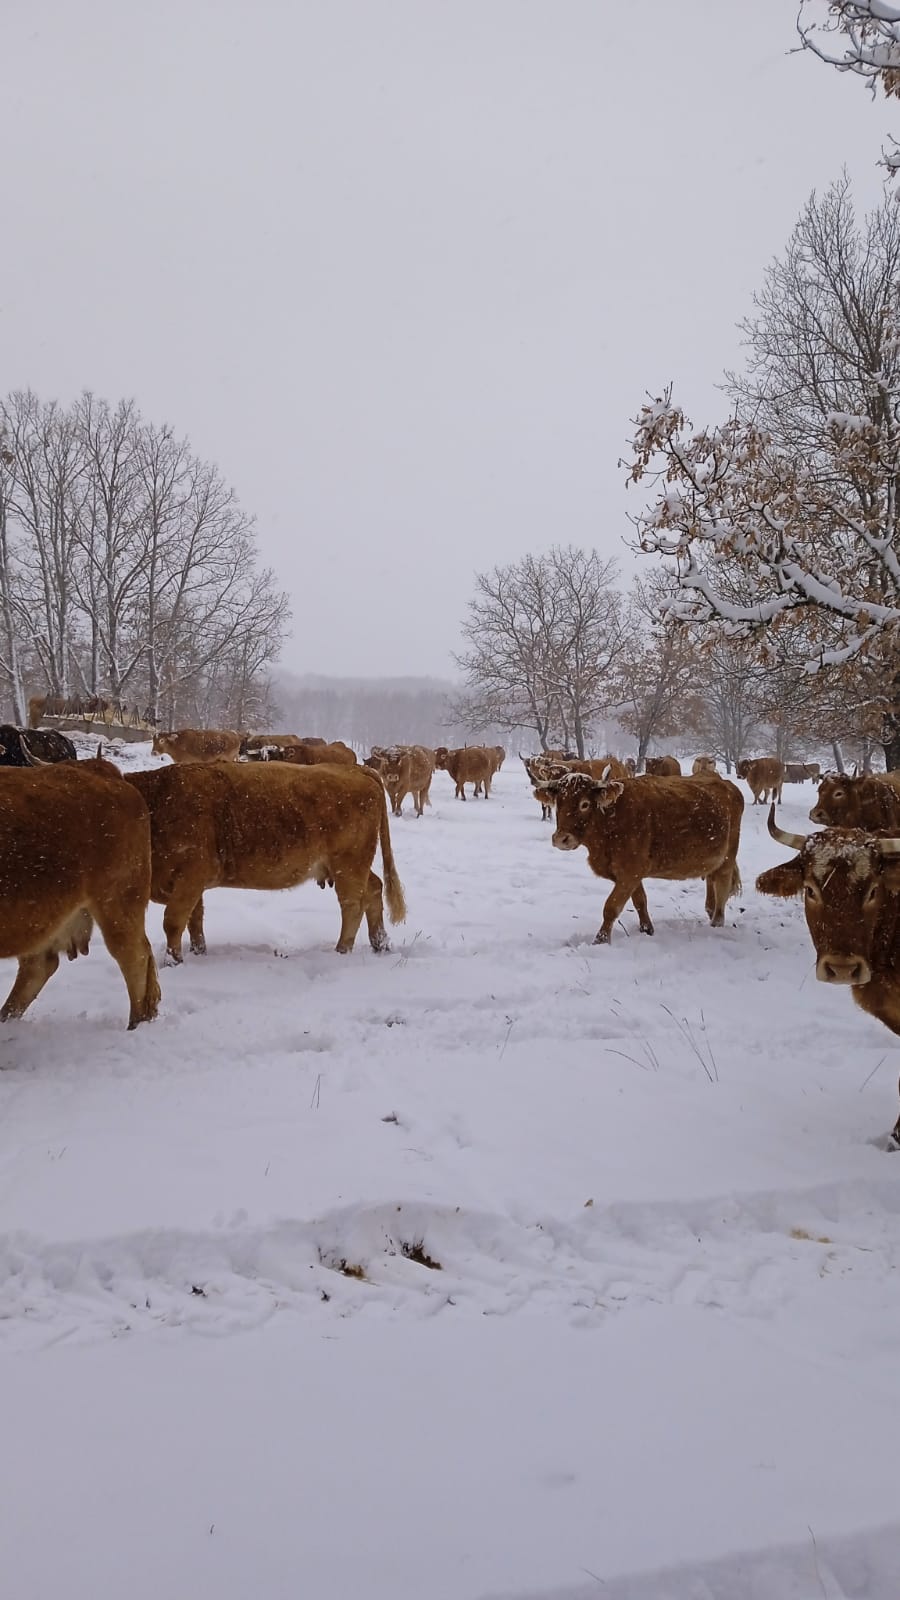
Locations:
(794, 841)
(888, 847)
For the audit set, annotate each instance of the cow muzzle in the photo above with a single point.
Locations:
(565, 841)
(854, 970)
(817, 815)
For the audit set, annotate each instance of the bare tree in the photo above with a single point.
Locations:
(127, 566)
(727, 708)
(544, 635)
(656, 674)
(785, 520)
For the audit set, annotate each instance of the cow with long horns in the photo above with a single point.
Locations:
(850, 883)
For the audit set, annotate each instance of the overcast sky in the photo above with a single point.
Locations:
(403, 268)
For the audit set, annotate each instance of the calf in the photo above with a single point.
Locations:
(407, 769)
(703, 764)
(268, 827)
(472, 764)
(850, 882)
(671, 828)
(662, 767)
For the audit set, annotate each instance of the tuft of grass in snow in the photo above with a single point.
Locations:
(416, 1252)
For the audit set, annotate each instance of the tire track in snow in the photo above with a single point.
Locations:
(747, 1255)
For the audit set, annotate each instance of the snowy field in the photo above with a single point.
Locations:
(501, 1265)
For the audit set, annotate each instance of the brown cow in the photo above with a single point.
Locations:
(631, 766)
(703, 764)
(538, 769)
(308, 754)
(795, 772)
(764, 777)
(268, 827)
(471, 764)
(75, 848)
(198, 746)
(869, 802)
(671, 828)
(662, 767)
(850, 882)
(407, 769)
(813, 770)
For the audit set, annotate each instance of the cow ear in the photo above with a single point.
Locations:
(784, 880)
(606, 794)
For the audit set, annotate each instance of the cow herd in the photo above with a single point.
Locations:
(273, 811)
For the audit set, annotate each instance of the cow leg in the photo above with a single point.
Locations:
(195, 930)
(34, 972)
(378, 938)
(352, 899)
(179, 910)
(460, 791)
(615, 904)
(718, 891)
(122, 927)
(639, 901)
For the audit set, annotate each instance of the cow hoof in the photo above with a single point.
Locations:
(649, 929)
(602, 937)
(343, 949)
(198, 949)
(172, 958)
(381, 946)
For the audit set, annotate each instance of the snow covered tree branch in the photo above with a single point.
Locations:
(857, 36)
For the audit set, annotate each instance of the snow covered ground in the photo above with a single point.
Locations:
(501, 1265)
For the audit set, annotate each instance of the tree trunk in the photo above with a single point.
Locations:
(579, 735)
(838, 757)
(891, 748)
(643, 745)
(867, 755)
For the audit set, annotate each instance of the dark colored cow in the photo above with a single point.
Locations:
(36, 747)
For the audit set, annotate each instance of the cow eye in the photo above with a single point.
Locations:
(584, 805)
(838, 794)
(871, 894)
(812, 892)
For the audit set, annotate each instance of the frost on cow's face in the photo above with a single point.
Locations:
(581, 803)
(848, 880)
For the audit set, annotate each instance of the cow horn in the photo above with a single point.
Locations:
(605, 773)
(794, 841)
(32, 759)
(888, 847)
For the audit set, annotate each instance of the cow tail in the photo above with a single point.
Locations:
(736, 885)
(393, 888)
